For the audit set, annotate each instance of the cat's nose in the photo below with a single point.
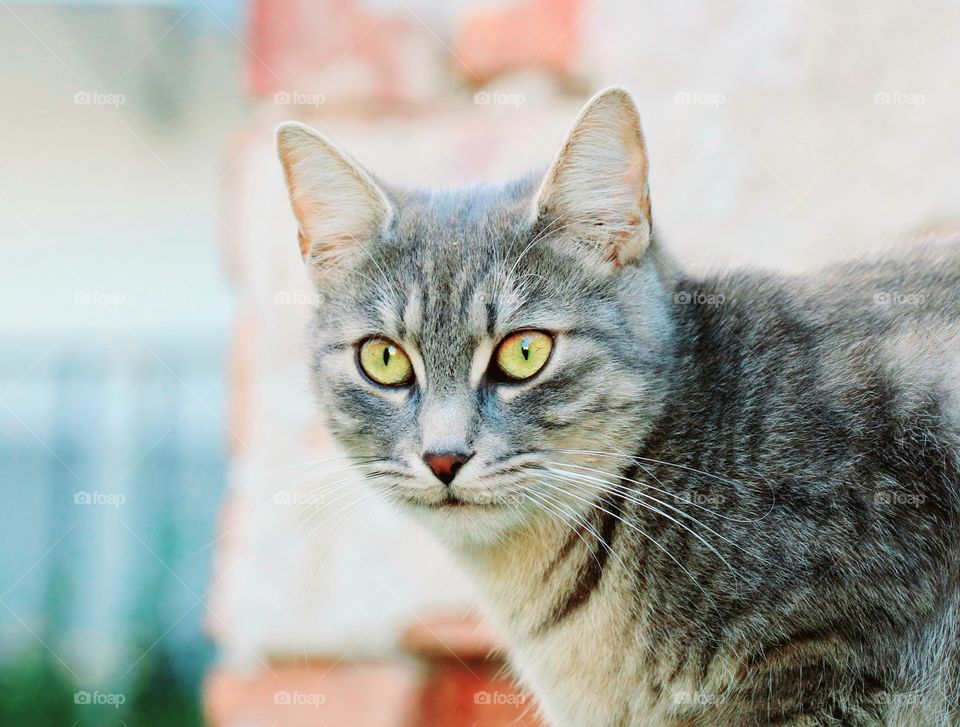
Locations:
(445, 465)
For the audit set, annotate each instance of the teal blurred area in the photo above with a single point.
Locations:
(111, 463)
(115, 316)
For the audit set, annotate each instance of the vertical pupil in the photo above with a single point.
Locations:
(387, 353)
(525, 348)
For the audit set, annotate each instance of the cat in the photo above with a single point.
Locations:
(722, 501)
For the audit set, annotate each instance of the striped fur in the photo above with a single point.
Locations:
(725, 501)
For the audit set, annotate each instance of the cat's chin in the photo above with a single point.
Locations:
(468, 524)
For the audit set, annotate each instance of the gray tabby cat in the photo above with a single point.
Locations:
(726, 501)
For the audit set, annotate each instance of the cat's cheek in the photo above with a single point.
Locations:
(361, 419)
(509, 396)
(506, 395)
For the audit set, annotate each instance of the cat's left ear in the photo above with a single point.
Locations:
(595, 194)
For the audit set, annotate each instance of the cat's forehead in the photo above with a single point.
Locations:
(452, 286)
(461, 221)
(450, 265)
(453, 252)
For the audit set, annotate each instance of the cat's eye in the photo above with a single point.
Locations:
(385, 362)
(522, 354)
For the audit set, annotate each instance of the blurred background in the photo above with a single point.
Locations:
(177, 543)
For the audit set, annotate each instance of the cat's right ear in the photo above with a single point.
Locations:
(338, 206)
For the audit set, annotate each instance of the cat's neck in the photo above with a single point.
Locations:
(517, 573)
(542, 574)
(556, 629)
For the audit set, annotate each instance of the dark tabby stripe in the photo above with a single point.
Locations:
(606, 515)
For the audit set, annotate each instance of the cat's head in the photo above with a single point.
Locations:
(491, 350)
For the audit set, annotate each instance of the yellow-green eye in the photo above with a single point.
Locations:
(522, 354)
(385, 362)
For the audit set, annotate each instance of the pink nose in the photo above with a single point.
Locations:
(445, 465)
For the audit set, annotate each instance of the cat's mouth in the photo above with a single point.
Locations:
(463, 514)
(453, 501)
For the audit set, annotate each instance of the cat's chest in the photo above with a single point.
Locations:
(563, 672)
(584, 670)
(581, 661)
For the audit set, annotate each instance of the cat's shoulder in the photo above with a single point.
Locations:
(896, 314)
(914, 280)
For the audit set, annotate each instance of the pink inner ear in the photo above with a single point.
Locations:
(614, 255)
(304, 244)
(307, 209)
(635, 178)
(304, 211)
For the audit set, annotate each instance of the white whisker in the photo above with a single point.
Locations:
(638, 460)
(629, 494)
(649, 507)
(645, 535)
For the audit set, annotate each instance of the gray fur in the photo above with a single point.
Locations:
(725, 501)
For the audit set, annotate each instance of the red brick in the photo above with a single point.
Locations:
(321, 693)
